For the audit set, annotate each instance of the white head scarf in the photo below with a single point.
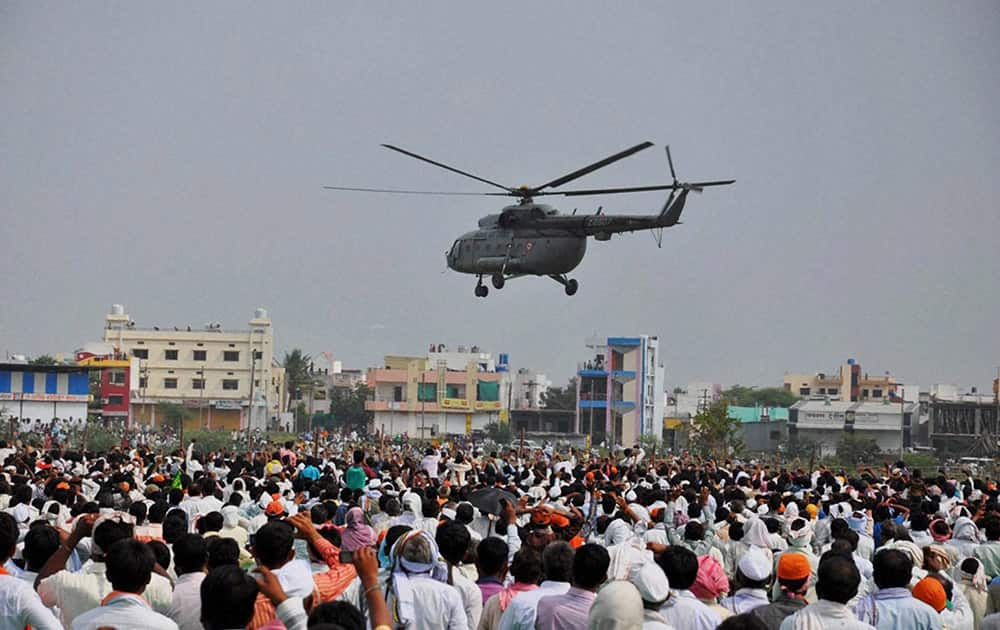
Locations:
(618, 606)
(230, 516)
(755, 533)
(402, 600)
(617, 533)
(965, 529)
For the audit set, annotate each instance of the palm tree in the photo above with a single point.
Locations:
(296, 364)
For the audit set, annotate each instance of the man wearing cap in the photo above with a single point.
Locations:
(837, 584)
(794, 571)
(753, 574)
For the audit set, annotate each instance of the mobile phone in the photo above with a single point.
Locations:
(346, 556)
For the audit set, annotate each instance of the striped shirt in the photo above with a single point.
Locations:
(328, 585)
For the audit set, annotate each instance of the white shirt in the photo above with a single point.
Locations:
(20, 606)
(522, 611)
(684, 611)
(438, 606)
(186, 607)
(125, 611)
(77, 593)
(472, 597)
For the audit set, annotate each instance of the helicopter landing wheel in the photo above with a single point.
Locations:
(498, 281)
(572, 286)
(481, 290)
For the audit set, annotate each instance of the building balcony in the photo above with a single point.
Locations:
(446, 405)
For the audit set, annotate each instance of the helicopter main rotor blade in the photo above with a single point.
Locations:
(449, 168)
(399, 191)
(555, 183)
(632, 189)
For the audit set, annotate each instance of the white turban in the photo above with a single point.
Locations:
(651, 582)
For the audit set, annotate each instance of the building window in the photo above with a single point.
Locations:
(116, 377)
(804, 391)
(143, 382)
(864, 393)
(876, 393)
(231, 355)
(832, 391)
(140, 353)
(230, 383)
(115, 400)
(170, 355)
(319, 394)
(397, 393)
(170, 383)
(427, 392)
(197, 383)
(200, 355)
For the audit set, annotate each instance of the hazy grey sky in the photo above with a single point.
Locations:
(171, 156)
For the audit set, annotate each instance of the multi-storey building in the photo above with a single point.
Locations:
(529, 386)
(848, 383)
(444, 393)
(223, 376)
(118, 374)
(620, 391)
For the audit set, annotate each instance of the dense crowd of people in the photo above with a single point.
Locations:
(351, 535)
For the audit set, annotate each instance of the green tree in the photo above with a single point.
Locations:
(714, 433)
(856, 449)
(347, 407)
(500, 433)
(44, 359)
(560, 397)
(172, 414)
(296, 364)
(741, 396)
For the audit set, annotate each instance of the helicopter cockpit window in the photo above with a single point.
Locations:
(455, 248)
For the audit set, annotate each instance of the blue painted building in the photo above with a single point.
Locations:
(43, 392)
(620, 391)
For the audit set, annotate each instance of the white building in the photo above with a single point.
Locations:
(825, 423)
(215, 372)
(692, 399)
(528, 388)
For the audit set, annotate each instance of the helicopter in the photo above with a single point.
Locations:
(534, 239)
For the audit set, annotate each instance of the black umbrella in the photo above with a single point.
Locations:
(488, 500)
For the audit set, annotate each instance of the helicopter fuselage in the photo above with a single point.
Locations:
(525, 251)
(520, 240)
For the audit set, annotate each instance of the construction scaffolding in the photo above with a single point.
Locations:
(964, 428)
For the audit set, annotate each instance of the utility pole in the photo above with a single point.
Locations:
(253, 365)
(201, 399)
(902, 417)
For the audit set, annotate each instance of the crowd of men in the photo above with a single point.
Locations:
(354, 535)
